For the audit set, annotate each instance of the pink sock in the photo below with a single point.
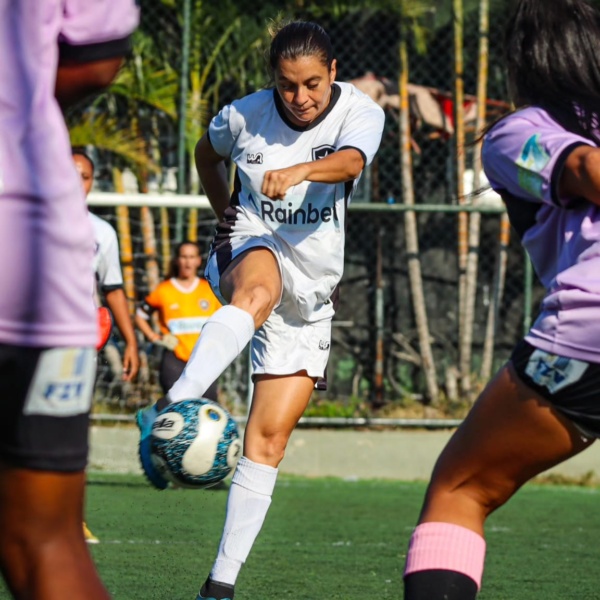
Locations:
(446, 546)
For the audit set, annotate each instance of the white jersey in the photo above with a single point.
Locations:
(306, 230)
(107, 264)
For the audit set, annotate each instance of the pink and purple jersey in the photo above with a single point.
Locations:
(523, 157)
(46, 239)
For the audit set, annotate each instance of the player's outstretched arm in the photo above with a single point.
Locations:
(213, 175)
(343, 165)
(117, 302)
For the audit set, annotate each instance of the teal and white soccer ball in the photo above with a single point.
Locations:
(195, 443)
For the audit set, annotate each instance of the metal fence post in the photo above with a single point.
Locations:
(527, 294)
(183, 92)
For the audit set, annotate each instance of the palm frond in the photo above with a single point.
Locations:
(105, 133)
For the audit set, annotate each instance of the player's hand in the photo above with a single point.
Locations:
(169, 341)
(131, 363)
(277, 183)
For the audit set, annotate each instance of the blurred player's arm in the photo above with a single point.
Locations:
(117, 303)
(75, 80)
(94, 39)
(142, 322)
(213, 175)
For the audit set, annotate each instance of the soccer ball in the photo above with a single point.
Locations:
(195, 443)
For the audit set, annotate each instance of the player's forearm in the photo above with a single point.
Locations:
(344, 165)
(75, 81)
(335, 168)
(144, 326)
(117, 303)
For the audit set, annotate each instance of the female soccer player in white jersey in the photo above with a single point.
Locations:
(543, 406)
(276, 259)
(54, 52)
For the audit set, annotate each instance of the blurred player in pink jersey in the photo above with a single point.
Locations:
(543, 406)
(54, 52)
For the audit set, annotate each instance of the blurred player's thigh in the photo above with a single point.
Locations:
(45, 395)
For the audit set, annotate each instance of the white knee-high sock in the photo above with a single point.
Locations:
(223, 338)
(247, 505)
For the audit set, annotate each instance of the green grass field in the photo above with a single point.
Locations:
(334, 539)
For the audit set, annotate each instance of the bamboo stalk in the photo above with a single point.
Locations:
(125, 242)
(149, 238)
(410, 227)
(193, 225)
(474, 228)
(494, 307)
(165, 239)
(459, 142)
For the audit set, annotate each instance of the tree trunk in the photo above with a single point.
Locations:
(459, 156)
(150, 253)
(125, 244)
(475, 217)
(410, 226)
(494, 308)
(193, 225)
(165, 239)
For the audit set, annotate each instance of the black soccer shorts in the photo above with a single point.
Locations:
(571, 386)
(45, 395)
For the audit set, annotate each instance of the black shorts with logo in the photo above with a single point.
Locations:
(45, 395)
(572, 386)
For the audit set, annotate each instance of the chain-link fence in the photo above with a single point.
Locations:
(376, 353)
(191, 57)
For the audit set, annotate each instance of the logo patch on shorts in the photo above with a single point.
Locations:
(554, 372)
(62, 384)
(324, 344)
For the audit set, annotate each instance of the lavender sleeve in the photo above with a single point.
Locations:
(97, 30)
(524, 155)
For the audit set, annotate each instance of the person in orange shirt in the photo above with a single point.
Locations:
(184, 302)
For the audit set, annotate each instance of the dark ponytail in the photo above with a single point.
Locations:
(552, 51)
(300, 38)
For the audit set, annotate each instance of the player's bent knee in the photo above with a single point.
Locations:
(482, 496)
(258, 301)
(269, 450)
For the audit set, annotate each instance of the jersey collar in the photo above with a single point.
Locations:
(335, 96)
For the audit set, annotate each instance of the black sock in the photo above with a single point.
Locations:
(439, 584)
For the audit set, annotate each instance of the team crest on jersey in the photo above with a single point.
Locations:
(203, 304)
(322, 151)
(530, 165)
(254, 159)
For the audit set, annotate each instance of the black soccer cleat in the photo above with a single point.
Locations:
(215, 590)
